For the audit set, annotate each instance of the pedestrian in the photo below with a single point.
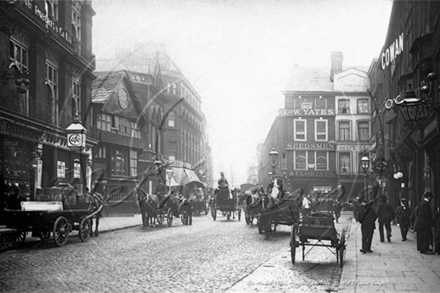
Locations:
(424, 224)
(222, 181)
(367, 217)
(386, 214)
(403, 215)
(306, 206)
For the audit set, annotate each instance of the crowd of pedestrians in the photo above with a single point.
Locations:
(426, 224)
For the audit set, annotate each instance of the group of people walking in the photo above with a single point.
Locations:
(422, 219)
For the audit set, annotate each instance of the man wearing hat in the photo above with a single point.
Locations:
(403, 215)
(424, 222)
(367, 217)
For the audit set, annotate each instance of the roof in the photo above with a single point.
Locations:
(104, 85)
(309, 79)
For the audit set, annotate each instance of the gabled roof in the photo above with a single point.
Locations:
(104, 85)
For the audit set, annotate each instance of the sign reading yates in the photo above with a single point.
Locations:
(311, 146)
(307, 112)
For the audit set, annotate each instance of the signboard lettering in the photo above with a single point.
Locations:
(307, 112)
(391, 53)
(311, 174)
(310, 146)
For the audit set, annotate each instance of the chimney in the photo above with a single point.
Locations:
(336, 64)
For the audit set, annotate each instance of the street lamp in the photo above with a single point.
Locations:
(76, 141)
(170, 173)
(365, 163)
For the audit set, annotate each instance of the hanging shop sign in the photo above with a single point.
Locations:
(390, 54)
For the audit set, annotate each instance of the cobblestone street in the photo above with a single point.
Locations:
(205, 257)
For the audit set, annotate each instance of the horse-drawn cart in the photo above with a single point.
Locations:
(318, 230)
(44, 218)
(225, 201)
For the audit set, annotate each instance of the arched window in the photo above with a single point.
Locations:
(172, 119)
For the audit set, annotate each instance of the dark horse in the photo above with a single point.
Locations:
(149, 207)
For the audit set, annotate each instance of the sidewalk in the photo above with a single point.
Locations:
(108, 224)
(392, 267)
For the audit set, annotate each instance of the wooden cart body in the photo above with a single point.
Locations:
(58, 222)
(222, 202)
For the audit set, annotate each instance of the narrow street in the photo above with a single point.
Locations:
(220, 256)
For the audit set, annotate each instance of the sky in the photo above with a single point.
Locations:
(238, 55)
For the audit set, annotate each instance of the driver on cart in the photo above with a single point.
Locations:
(223, 183)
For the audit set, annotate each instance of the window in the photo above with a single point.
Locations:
(364, 131)
(168, 87)
(321, 103)
(102, 153)
(344, 131)
(133, 163)
(174, 88)
(19, 56)
(321, 161)
(119, 162)
(172, 149)
(76, 19)
(52, 83)
(135, 131)
(299, 129)
(51, 7)
(362, 106)
(76, 96)
(172, 119)
(123, 125)
(344, 163)
(344, 107)
(321, 130)
(300, 160)
(104, 122)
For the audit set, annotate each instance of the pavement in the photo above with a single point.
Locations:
(108, 224)
(392, 267)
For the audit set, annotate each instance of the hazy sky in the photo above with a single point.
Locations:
(238, 54)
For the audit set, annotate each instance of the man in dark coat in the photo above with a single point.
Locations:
(276, 188)
(367, 217)
(386, 214)
(424, 223)
(403, 215)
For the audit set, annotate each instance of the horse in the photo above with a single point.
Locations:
(148, 206)
(97, 201)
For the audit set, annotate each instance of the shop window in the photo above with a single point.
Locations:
(119, 161)
(300, 160)
(299, 129)
(344, 106)
(344, 163)
(344, 131)
(362, 106)
(133, 163)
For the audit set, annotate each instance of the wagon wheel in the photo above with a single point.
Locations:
(169, 217)
(342, 248)
(184, 218)
(61, 231)
(239, 214)
(247, 218)
(21, 236)
(213, 212)
(160, 218)
(84, 229)
(293, 243)
(44, 236)
(206, 209)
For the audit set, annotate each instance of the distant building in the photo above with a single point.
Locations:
(323, 131)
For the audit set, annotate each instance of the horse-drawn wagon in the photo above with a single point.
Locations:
(58, 218)
(226, 201)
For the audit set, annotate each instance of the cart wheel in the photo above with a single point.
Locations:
(239, 214)
(342, 248)
(160, 218)
(184, 218)
(169, 217)
(61, 231)
(260, 225)
(213, 212)
(21, 236)
(84, 229)
(207, 209)
(44, 236)
(293, 243)
(247, 219)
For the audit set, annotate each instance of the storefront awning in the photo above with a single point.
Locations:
(185, 177)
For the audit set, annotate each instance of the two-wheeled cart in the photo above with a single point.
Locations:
(318, 230)
(223, 202)
(59, 223)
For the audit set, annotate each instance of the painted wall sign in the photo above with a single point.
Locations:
(50, 24)
(311, 174)
(391, 53)
(348, 147)
(307, 112)
(310, 146)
